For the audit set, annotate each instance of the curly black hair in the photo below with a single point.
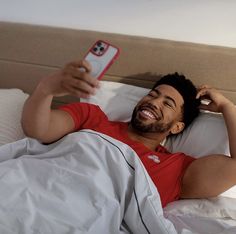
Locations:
(187, 90)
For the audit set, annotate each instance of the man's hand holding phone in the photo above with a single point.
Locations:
(74, 79)
(80, 78)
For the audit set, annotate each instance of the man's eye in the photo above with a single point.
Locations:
(168, 104)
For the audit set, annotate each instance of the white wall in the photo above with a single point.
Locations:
(203, 21)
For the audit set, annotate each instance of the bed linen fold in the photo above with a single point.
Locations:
(87, 182)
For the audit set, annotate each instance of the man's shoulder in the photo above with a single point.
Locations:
(83, 106)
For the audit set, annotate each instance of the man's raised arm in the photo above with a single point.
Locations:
(38, 119)
(219, 103)
(211, 175)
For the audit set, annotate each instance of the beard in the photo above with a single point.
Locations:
(155, 127)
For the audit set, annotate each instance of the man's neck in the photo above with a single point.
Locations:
(150, 140)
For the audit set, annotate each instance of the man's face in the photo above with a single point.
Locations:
(159, 111)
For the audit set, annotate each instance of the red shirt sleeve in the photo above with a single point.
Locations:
(85, 115)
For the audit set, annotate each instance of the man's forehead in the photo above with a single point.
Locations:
(170, 91)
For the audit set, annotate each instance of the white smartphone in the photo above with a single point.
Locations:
(101, 55)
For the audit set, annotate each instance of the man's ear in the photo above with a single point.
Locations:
(177, 128)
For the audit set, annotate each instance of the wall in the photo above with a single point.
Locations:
(202, 21)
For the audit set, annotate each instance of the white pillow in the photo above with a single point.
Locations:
(218, 207)
(206, 135)
(117, 100)
(11, 104)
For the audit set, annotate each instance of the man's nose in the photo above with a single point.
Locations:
(157, 103)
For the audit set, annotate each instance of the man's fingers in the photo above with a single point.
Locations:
(84, 86)
(204, 86)
(77, 92)
(77, 84)
(203, 90)
(77, 79)
(85, 77)
(80, 70)
(80, 64)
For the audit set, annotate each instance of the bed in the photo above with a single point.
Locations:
(29, 52)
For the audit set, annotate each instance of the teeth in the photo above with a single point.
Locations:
(149, 114)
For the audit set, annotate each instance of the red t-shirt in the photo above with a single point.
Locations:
(165, 169)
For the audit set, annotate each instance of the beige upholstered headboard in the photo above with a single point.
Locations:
(29, 52)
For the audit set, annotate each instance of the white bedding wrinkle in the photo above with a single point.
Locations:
(86, 182)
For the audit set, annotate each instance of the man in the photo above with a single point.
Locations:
(167, 109)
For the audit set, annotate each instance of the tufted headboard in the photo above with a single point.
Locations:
(29, 52)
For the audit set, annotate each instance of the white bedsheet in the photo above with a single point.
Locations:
(86, 182)
(203, 216)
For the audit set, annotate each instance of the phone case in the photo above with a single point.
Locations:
(101, 55)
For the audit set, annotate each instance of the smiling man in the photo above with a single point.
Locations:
(169, 107)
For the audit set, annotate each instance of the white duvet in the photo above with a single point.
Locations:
(86, 182)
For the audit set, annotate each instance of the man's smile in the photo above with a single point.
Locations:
(148, 113)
